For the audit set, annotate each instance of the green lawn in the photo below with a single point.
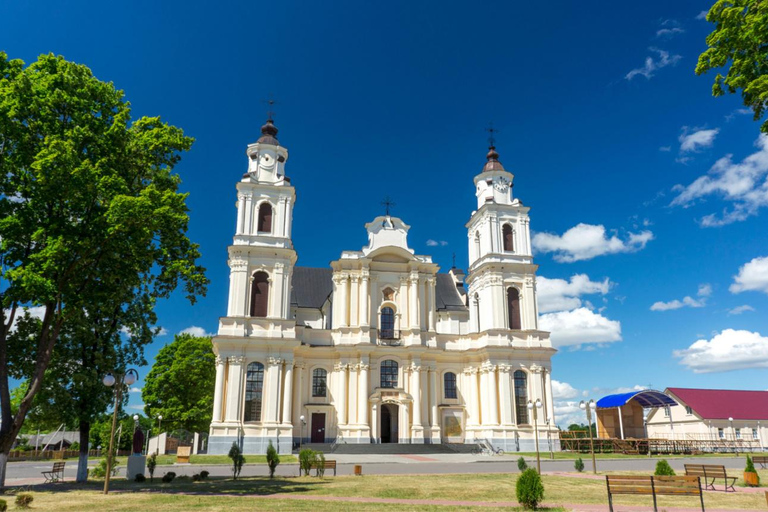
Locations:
(588, 456)
(167, 460)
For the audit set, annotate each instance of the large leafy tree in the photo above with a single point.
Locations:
(739, 40)
(181, 383)
(90, 213)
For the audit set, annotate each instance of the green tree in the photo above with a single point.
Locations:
(181, 383)
(740, 38)
(90, 214)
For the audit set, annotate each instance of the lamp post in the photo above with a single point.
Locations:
(301, 433)
(590, 408)
(549, 439)
(123, 379)
(534, 407)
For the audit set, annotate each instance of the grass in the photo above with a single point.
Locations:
(587, 456)
(167, 460)
(253, 493)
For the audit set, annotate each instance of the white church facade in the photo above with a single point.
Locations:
(380, 347)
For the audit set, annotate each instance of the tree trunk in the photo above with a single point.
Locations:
(82, 463)
(3, 467)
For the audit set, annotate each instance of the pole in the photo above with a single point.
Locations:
(118, 396)
(536, 432)
(591, 441)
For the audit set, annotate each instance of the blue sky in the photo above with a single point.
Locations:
(601, 117)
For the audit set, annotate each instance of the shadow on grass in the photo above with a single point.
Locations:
(213, 486)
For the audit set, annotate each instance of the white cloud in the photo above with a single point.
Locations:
(34, 311)
(134, 389)
(740, 309)
(586, 241)
(670, 29)
(559, 294)
(580, 326)
(753, 276)
(654, 64)
(665, 149)
(195, 331)
(136, 407)
(163, 332)
(705, 290)
(699, 139)
(563, 390)
(745, 184)
(433, 243)
(702, 15)
(727, 351)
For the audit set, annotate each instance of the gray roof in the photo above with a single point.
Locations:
(447, 296)
(311, 287)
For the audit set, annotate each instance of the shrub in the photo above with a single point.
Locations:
(204, 475)
(529, 489)
(236, 454)
(168, 477)
(74, 446)
(272, 459)
(100, 471)
(579, 465)
(306, 457)
(23, 500)
(140, 478)
(320, 461)
(664, 469)
(151, 465)
(3, 505)
(196, 477)
(521, 464)
(751, 469)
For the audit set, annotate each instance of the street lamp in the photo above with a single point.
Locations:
(534, 407)
(301, 433)
(128, 378)
(549, 439)
(590, 408)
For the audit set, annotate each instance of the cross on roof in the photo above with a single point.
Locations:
(270, 104)
(491, 130)
(387, 203)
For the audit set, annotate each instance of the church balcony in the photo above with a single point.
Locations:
(389, 337)
(246, 326)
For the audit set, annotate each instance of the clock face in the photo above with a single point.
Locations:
(501, 184)
(266, 160)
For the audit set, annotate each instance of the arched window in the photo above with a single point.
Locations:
(389, 374)
(449, 380)
(387, 331)
(265, 218)
(506, 233)
(319, 381)
(260, 294)
(521, 397)
(254, 385)
(513, 308)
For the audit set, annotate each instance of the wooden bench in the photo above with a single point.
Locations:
(56, 474)
(760, 459)
(329, 464)
(710, 472)
(654, 486)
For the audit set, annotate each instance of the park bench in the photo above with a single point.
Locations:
(760, 459)
(328, 464)
(710, 472)
(55, 474)
(654, 486)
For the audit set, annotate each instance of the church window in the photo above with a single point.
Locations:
(319, 381)
(450, 385)
(254, 385)
(265, 218)
(513, 308)
(387, 323)
(389, 374)
(260, 294)
(506, 232)
(521, 397)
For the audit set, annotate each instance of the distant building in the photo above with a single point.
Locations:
(713, 415)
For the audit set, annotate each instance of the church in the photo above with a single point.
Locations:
(380, 347)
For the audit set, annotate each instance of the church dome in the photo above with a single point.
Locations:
(269, 133)
(493, 163)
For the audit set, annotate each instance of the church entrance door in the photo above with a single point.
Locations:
(318, 427)
(389, 423)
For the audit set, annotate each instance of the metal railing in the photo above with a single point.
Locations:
(389, 337)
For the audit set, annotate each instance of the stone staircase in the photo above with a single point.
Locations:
(392, 448)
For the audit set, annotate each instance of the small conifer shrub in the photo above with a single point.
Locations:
(579, 465)
(664, 469)
(529, 489)
(23, 500)
(521, 464)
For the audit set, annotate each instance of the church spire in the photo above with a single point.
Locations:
(493, 163)
(269, 132)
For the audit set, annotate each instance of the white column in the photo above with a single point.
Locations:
(621, 424)
(234, 388)
(354, 302)
(279, 222)
(375, 422)
(240, 214)
(271, 392)
(423, 306)
(248, 215)
(432, 305)
(362, 390)
(492, 397)
(288, 393)
(365, 299)
(239, 288)
(219, 393)
(485, 399)
(298, 392)
(505, 394)
(413, 302)
(341, 387)
(343, 301)
(474, 406)
(288, 216)
(433, 397)
(352, 401)
(416, 393)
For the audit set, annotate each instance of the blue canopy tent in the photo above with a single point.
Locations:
(643, 399)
